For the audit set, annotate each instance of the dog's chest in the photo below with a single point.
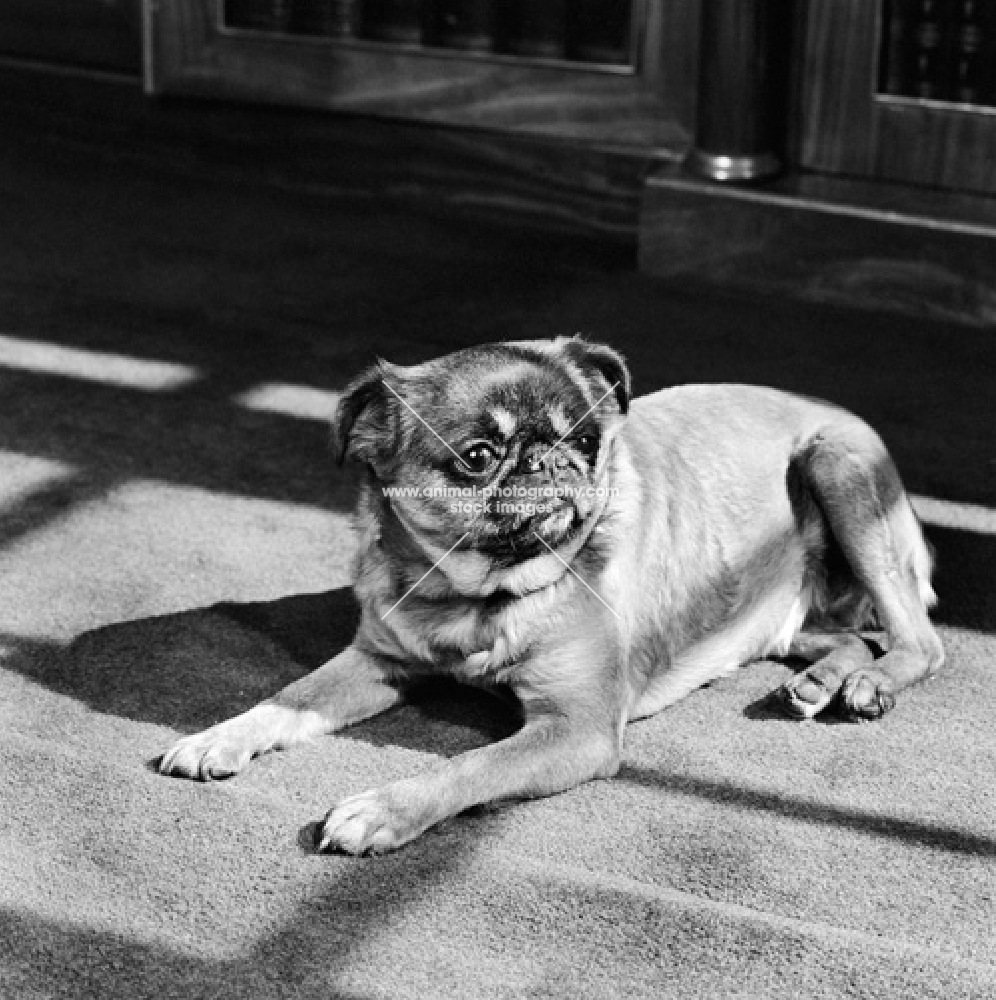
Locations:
(473, 641)
(476, 644)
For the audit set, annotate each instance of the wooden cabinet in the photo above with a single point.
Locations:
(853, 120)
(642, 101)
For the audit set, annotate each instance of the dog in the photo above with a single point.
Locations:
(524, 523)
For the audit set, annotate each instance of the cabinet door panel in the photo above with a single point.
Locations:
(849, 127)
(647, 104)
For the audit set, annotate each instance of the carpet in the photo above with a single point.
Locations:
(174, 544)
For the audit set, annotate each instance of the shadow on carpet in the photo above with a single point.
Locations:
(192, 669)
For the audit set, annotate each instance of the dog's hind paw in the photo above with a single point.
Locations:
(804, 696)
(866, 695)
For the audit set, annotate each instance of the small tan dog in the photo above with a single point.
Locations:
(523, 524)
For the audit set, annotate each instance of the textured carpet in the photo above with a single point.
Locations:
(173, 546)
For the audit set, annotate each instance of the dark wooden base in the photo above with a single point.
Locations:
(864, 243)
(878, 245)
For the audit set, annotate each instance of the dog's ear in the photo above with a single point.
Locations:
(365, 425)
(604, 363)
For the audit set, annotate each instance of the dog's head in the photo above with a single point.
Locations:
(500, 449)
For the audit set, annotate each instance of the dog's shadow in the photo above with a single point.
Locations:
(192, 669)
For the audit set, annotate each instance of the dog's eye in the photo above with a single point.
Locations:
(587, 444)
(478, 458)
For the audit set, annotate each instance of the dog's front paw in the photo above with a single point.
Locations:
(371, 823)
(218, 752)
(223, 750)
(867, 694)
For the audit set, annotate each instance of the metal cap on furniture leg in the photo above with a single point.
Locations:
(718, 167)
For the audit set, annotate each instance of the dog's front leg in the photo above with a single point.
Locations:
(563, 743)
(349, 688)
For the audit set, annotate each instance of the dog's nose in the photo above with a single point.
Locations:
(542, 457)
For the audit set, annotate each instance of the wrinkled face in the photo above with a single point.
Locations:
(501, 449)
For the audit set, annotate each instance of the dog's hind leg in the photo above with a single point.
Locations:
(857, 488)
